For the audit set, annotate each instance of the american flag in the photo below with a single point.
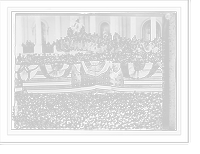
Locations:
(79, 80)
(18, 85)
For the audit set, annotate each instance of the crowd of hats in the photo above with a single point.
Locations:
(113, 48)
(93, 42)
(95, 110)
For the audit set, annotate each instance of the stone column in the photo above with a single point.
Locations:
(124, 25)
(153, 28)
(25, 29)
(47, 35)
(38, 45)
(92, 24)
(82, 20)
(165, 55)
(18, 37)
(172, 72)
(114, 25)
(120, 26)
(169, 71)
(57, 30)
(86, 24)
(57, 27)
(133, 27)
(117, 26)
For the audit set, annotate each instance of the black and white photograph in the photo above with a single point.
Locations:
(85, 70)
(94, 71)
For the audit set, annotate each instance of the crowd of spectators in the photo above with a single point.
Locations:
(119, 57)
(95, 43)
(96, 110)
(73, 59)
(107, 47)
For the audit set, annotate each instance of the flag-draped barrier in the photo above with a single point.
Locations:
(90, 76)
(56, 70)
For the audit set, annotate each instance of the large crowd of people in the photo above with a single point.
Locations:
(107, 47)
(119, 57)
(96, 43)
(96, 110)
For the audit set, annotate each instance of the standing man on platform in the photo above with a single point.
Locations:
(77, 26)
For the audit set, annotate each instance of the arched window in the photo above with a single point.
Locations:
(146, 30)
(104, 28)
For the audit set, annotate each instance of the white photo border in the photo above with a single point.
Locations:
(8, 10)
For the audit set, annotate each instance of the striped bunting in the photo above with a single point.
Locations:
(153, 83)
(18, 85)
(40, 84)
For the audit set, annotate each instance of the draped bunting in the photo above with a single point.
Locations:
(97, 70)
(58, 70)
(33, 70)
(78, 67)
(94, 65)
(24, 75)
(33, 67)
(146, 70)
(88, 76)
(134, 71)
(18, 70)
(56, 66)
(154, 68)
(139, 65)
(25, 72)
(50, 73)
